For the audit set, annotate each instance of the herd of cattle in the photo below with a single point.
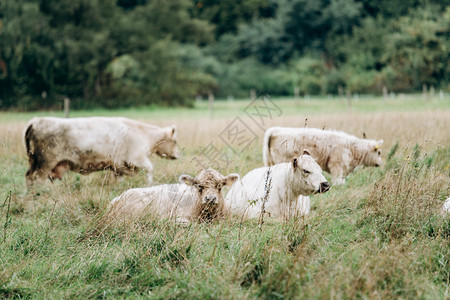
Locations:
(294, 159)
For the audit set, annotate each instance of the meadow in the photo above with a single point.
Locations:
(379, 236)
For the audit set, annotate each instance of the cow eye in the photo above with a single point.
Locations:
(200, 188)
(306, 171)
(379, 152)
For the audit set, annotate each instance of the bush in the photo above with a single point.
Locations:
(240, 77)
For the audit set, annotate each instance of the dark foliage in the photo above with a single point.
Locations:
(119, 53)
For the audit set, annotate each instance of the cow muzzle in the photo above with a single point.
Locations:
(171, 156)
(324, 186)
(210, 200)
(175, 155)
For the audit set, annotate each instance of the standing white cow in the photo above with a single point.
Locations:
(336, 152)
(85, 145)
(276, 190)
(194, 199)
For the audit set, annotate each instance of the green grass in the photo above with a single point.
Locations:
(381, 235)
(224, 108)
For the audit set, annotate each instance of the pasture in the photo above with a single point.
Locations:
(381, 235)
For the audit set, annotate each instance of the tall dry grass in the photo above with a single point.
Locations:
(379, 236)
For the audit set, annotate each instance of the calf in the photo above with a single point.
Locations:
(85, 145)
(193, 199)
(336, 152)
(277, 190)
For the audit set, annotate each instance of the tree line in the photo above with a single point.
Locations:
(118, 53)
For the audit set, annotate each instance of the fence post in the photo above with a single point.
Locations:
(296, 93)
(385, 93)
(424, 92)
(252, 94)
(349, 100)
(340, 91)
(211, 104)
(66, 107)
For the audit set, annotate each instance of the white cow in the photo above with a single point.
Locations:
(194, 199)
(85, 145)
(276, 191)
(336, 152)
(446, 206)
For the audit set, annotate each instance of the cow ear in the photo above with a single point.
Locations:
(378, 144)
(230, 179)
(173, 131)
(187, 179)
(295, 162)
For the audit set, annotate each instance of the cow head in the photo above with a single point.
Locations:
(307, 176)
(167, 147)
(209, 184)
(372, 157)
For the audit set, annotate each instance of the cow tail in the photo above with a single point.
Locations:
(267, 158)
(27, 139)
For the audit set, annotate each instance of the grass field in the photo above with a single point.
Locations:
(381, 235)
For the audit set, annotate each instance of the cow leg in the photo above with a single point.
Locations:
(338, 164)
(29, 178)
(33, 173)
(145, 163)
(337, 174)
(337, 177)
(32, 177)
(59, 170)
(45, 172)
(149, 177)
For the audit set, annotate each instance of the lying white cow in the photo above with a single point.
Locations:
(446, 206)
(85, 145)
(194, 199)
(336, 152)
(276, 191)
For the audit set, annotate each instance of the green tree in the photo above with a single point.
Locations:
(25, 64)
(418, 49)
(75, 48)
(226, 15)
(297, 27)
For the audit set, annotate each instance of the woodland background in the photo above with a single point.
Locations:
(122, 53)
